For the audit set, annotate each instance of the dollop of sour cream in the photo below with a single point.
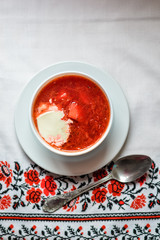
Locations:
(53, 128)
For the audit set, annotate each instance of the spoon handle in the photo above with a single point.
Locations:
(54, 203)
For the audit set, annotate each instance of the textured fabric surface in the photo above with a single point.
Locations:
(121, 38)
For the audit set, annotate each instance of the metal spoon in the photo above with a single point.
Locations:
(126, 169)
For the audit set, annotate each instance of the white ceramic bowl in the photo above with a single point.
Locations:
(64, 152)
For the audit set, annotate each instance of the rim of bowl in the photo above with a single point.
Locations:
(74, 152)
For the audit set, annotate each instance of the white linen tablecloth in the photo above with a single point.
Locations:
(120, 37)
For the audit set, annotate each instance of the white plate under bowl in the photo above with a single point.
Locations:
(84, 164)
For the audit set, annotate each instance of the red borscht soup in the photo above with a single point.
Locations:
(79, 112)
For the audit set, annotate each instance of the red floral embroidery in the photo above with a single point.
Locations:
(99, 174)
(49, 185)
(147, 226)
(121, 202)
(153, 165)
(84, 206)
(80, 228)
(125, 226)
(56, 228)
(103, 227)
(139, 202)
(5, 202)
(142, 179)
(115, 188)
(33, 195)
(5, 173)
(11, 226)
(33, 228)
(32, 177)
(72, 205)
(99, 195)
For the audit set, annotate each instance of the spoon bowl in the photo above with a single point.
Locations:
(126, 169)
